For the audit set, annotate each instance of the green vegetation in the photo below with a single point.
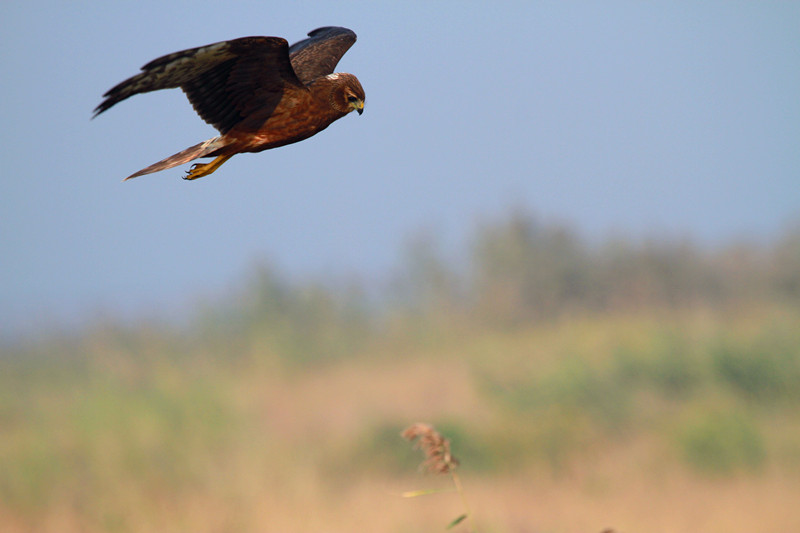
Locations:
(543, 355)
(722, 442)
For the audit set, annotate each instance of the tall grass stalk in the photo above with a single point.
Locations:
(439, 460)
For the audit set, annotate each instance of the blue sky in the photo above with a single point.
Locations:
(637, 118)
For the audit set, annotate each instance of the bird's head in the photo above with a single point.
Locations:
(347, 94)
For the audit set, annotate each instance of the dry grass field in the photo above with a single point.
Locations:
(141, 431)
(281, 410)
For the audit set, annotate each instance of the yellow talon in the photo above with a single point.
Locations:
(199, 170)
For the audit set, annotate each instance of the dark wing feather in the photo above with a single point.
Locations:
(318, 55)
(167, 72)
(255, 78)
(224, 81)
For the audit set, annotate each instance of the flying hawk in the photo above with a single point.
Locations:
(258, 92)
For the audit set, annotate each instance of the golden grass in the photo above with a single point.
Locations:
(206, 443)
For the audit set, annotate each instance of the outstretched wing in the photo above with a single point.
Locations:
(318, 55)
(224, 81)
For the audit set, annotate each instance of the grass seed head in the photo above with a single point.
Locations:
(438, 459)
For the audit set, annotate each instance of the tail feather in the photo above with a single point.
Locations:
(193, 152)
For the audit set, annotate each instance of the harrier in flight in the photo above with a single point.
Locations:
(258, 92)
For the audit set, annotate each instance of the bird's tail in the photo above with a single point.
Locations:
(203, 149)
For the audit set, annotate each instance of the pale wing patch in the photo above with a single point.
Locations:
(183, 67)
(168, 72)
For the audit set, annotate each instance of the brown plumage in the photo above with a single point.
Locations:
(258, 92)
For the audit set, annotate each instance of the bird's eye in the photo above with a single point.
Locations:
(352, 99)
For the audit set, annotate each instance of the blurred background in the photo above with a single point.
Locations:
(567, 234)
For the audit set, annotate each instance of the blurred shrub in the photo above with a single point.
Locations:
(670, 364)
(722, 442)
(379, 447)
(765, 369)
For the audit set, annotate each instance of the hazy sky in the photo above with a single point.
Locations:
(639, 118)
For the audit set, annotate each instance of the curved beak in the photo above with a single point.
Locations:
(358, 105)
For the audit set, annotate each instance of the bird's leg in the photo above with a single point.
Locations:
(199, 170)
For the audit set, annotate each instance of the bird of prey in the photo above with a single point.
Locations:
(258, 92)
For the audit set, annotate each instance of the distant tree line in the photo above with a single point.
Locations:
(521, 269)
(517, 270)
